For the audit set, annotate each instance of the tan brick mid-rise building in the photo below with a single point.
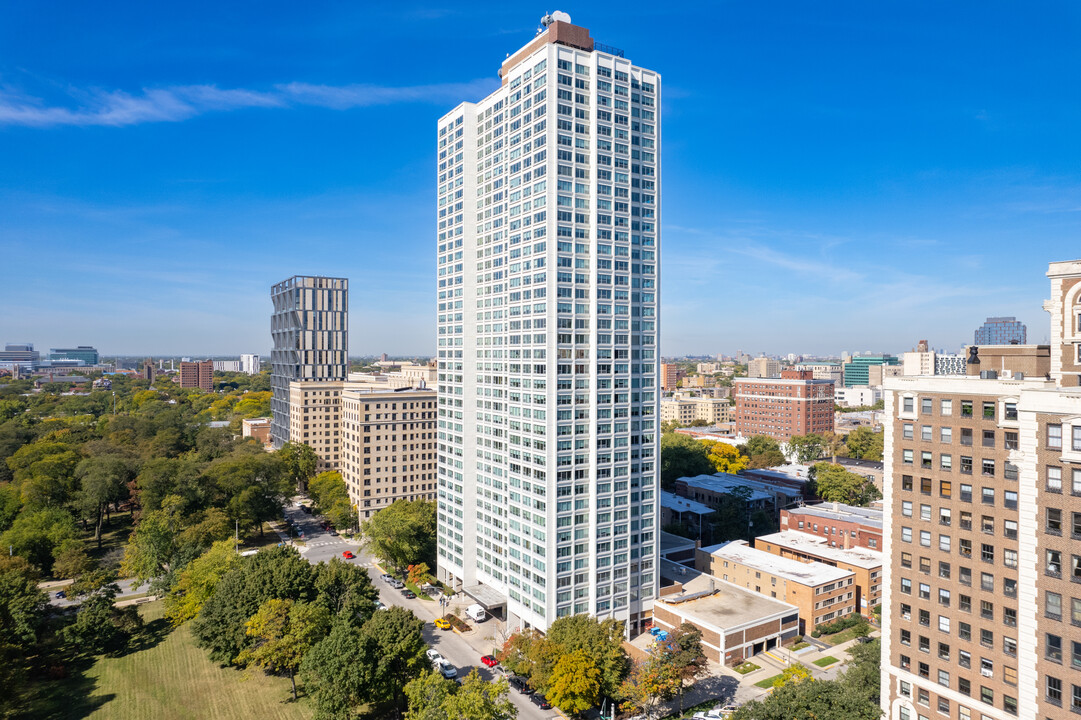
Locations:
(794, 404)
(671, 374)
(821, 592)
(866, 565)
(197, 375)
(315, 416)
(686, 410)
(982, 604)
(388, 446)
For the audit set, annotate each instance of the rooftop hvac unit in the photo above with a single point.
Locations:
(988, 375)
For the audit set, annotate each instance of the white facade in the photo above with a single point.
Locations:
(857, 396)
(226, 366)
(250, 364)
(548, 288)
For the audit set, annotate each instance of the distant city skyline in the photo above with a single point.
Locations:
(837, 178)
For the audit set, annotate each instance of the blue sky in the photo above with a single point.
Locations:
(836, 176)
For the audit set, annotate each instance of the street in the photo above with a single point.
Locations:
(128, 587)
(463, 651)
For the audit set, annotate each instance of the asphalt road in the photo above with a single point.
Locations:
(128, 588)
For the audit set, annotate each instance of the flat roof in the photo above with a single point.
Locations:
(725, 482)
(816, 545)
(871, 517)
(728, 606)
(681, 504)
(794, 570)
(670, 542)
(485, 596)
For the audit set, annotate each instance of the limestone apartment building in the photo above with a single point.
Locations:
(982, 603)
(548, 286)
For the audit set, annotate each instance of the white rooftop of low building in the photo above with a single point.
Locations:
(804, 573)
(817, 545)
(872, 517)
(681, 504)
(725, 482)
(717, 602)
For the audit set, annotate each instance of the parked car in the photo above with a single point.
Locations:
(396, 583)
(442, 623)
(434, 655)
(488, 661)
(520, 684)
(348, 555)
(379, 605)
(386, 577)
(541, 701)
(408, 594)
(60, 595)
(446, 669)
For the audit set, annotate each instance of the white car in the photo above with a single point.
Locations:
(446, 669)
(434, 656)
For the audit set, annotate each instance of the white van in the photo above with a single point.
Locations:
(476, 613)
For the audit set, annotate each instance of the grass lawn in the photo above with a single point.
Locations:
(824, 661)
(418, 592)
(799, 646)
(843, 636)
(747, 667)
(768, 682)
(168, 678)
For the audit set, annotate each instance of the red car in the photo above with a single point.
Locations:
(489, 661)
(348, 555)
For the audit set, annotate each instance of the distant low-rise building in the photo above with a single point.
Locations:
(81, 355)
(821, 592)
(708, 368)
(226, 366)
(258, 428)
(857, 371)
(859, 396)
(823, 371)
(686, 410)
(251, 364)
(762, 495)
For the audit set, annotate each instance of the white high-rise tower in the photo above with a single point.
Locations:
(548, 296)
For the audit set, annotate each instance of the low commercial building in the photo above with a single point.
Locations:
(735, 623)
(859, 396)
(841, 525)
(258, 428)
(388, 446)
(676, 509)
(865, 564)
(822, 592)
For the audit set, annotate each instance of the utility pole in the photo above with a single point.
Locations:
(236, 537)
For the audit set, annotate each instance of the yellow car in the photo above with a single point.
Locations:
(442, 623)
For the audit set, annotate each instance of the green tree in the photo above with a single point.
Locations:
(806, 447)
(726, 458)
(10, 504)
(103, 481)
(72, 560)
(684, 649)
(346, 591)
(331, 498)
(337, 673)
(515, 654)
(762, 451)
(196, 583)
(402, 534)
(651, 681)
(99, 627)
(479, 699)
(256, 486)
(300, 461)
(284, 632)
(426, 695)
(682, 456)
(394, 647)
(814, 700)
(45, 473)
(36, 535)
(865, 444)
(602, 639)
(575, 683)
(835, 484)
(277, 572)
(23, 612)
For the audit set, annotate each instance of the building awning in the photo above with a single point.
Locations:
(485, 596)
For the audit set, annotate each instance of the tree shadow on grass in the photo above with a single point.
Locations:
(63, 691)
(150, 635)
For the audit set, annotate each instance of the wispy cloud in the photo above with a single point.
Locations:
(117, 108)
